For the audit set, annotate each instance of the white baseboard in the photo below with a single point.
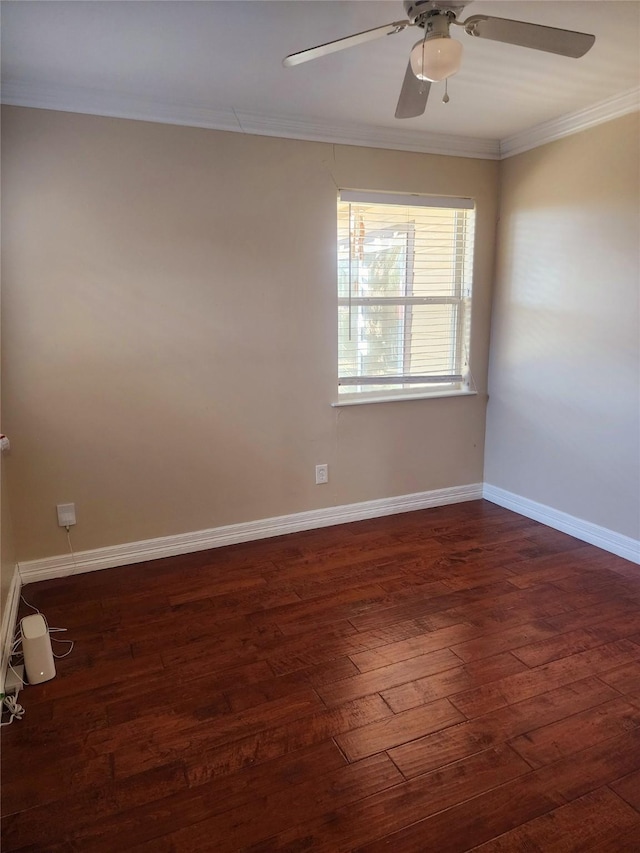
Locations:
(217, 537)
(9, 619)
(201, 540)
(602, 537)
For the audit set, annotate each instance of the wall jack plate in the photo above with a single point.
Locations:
(322, 474)
(66, 515)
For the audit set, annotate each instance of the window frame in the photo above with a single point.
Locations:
(429, 386)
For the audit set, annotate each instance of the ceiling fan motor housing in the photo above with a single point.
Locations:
(419, 11)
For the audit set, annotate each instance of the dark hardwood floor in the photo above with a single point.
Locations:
(445, 680)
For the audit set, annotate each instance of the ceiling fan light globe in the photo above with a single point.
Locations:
(435, 59)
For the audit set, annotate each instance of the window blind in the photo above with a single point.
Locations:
(405, 266)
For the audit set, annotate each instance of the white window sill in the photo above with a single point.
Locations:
(361, 400)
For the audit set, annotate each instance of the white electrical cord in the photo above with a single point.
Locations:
(24, 601)
(15, 709)
(71, 551)
(55, 640)
(11, 702)
(15, 650)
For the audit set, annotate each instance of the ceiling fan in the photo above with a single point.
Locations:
(437, 56)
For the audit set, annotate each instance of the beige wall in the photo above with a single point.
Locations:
(563, 423)
(7, 551)
(170, 331)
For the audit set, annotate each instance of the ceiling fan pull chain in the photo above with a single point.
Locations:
(445, 97)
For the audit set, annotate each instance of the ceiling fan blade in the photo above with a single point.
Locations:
(341, 44)
(413, 96)
(536, 36)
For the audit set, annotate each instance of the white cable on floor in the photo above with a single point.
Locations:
(15, 709)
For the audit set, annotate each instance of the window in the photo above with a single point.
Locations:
(404, 295)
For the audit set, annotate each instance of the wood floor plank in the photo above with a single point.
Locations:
(296, 616)
(515, 688)
(591, 768)
(137, 746)
(591, 821)
(388, 676)
(475, 735)
(68, 682)
(509, 639)
(408, 628)
(79, 808)
(579, 640)
(626, 678)
(629, 789)
(605, 610)
(451, 681)
(392, 731)
(440, 680)
(274, 742)
(25, 790)
(200, 692)
(564, 737)
(474, 821)
(156, 845)
(334, 670)
(424, 607)
(241, 828)
(413, 647)
(374, 817)
(521, 607)
(238, 789)
(627, 842)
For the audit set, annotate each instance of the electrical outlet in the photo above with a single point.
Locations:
(322, 474)
(66, 515)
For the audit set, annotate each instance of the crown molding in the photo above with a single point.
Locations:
(115, 105)
(370, 136)
(549, 131)
(127, 106)
(98, 102)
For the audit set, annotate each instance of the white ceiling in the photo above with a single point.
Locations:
(220, 64)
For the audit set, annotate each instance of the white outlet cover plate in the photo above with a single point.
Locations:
(322, 474)
(66, 514)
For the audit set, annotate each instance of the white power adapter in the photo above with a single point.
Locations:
(36, 648)
(14, 679)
